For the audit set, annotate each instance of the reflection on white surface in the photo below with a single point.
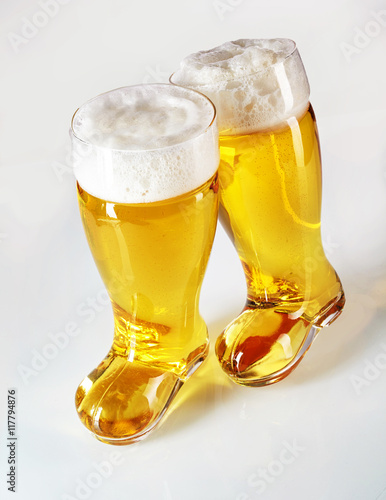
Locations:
(317, 434)
(331, 404)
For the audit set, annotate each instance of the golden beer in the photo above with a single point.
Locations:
(270, 203)
(270, 195)
(151, 248)
(152, 258)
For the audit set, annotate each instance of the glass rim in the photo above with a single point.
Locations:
(137, 151)
(248, 75)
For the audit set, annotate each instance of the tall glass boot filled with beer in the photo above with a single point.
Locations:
(146, 160)
(270, 203)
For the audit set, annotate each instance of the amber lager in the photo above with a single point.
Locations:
(146, 160)
(270, 203)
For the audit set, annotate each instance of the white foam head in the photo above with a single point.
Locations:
(144, 143)
(255, 84)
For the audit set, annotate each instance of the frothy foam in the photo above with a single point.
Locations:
(255, 84)
(145, 143)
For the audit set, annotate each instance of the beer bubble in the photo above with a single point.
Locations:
(254, 83)
(146, 143)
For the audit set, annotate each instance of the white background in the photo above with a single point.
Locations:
(220, 436)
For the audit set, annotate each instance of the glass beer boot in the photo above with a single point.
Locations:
(292, 289)
(270, 203)
(149, 211)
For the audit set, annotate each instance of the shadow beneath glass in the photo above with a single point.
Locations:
(208, 389)
(358, 330)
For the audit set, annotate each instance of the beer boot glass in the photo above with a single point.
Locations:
(270, 203)
(146, 160)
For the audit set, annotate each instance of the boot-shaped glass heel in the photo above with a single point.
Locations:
(262, 346)
(127, 395)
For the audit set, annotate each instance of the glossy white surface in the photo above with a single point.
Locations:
(318, 434)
